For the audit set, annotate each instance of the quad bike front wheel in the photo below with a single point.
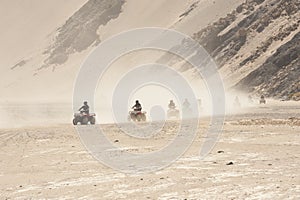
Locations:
(84, 121)
(139, 117)
(75, 122)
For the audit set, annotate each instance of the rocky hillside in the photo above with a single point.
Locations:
(279, 76)
(80, 30)
(257, 47)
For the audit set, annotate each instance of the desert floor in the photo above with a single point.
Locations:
(262, 143)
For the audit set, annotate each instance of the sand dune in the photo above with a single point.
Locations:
(24, 54)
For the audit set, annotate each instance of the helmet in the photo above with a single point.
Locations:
(85, 102)
(136, 101)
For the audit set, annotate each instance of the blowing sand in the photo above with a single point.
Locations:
(257, 157)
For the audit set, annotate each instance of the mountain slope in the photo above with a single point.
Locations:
(47, 70)
(279, 76)
(254, 42)
(257, 47)
(80, 30)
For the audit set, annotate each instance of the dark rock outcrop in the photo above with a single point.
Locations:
(80, 30)
(280, 75)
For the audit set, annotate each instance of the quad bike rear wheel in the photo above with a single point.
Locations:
(92, 120)
(133, 117)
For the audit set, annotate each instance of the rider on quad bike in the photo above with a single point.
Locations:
(262, 100)
(171, 105)
(137, 106)
(84, 117)
(137, 114)
(85, 108)
(172, 112)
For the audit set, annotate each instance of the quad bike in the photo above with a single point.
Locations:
(137, 116)
(173, 113)
(262, 100)
(84, 118)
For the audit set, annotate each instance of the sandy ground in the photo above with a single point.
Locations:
(262, 143)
